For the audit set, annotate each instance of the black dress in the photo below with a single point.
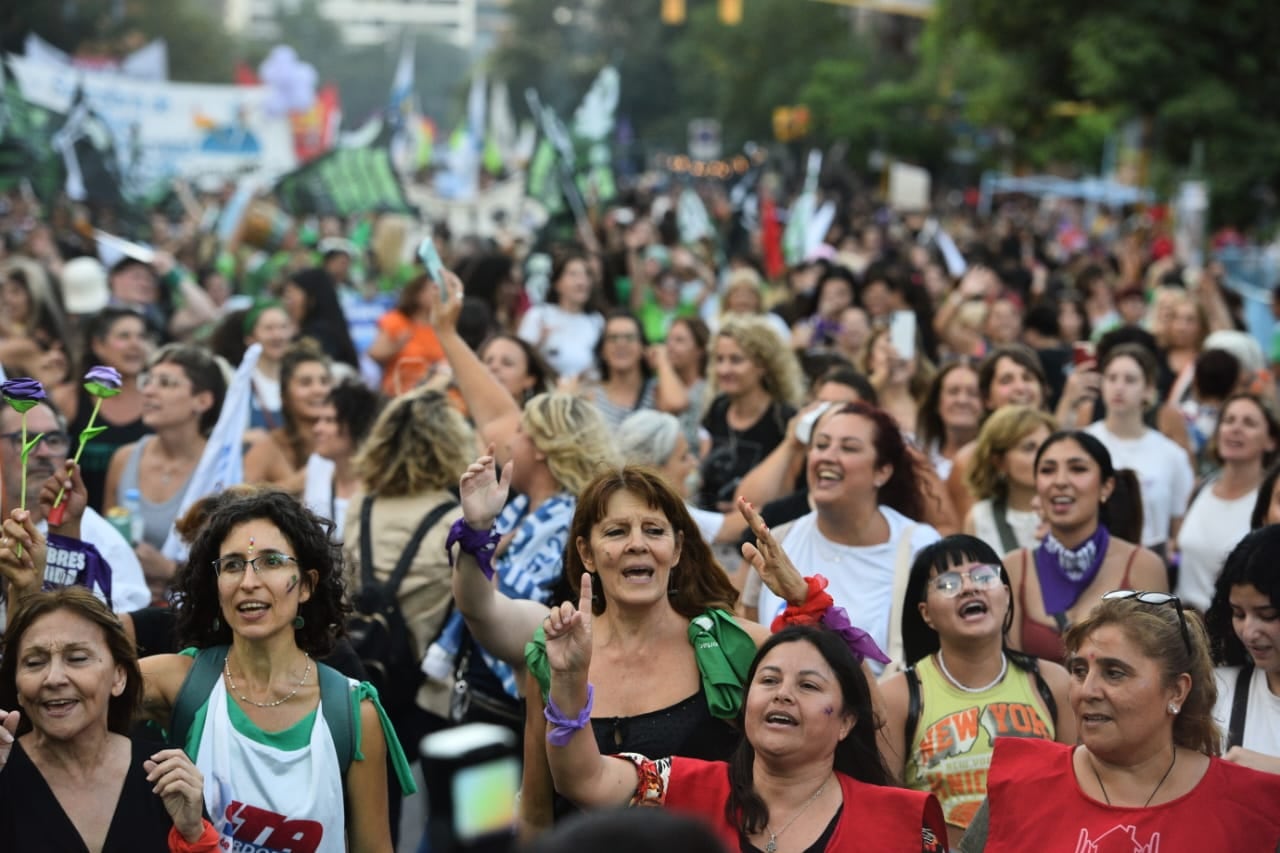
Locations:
(97, 453)
(32, 820)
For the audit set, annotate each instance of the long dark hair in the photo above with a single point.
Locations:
(1122, 511)
(646, 372)
(324, 319)
(1256, 561)
(199, 618)
(858, 755)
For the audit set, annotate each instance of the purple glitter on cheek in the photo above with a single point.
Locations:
(828, 710)
(293, 583)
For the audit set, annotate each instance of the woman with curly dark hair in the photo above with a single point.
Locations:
(263, 594)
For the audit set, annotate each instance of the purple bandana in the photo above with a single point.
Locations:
(1065, 572)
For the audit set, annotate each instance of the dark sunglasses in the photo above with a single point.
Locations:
(1157, 599)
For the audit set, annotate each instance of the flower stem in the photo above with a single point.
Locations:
(22, 499)
(93, 416)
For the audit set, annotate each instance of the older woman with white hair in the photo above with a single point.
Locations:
(657, 439)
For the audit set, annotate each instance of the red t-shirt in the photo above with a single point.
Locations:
(1036, 804)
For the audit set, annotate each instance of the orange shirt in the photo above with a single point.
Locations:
(409, 366)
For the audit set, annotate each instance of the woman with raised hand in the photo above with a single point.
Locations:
(1145, 774)
(806, 776)
(1245, 442)
(685, 350)
(406, 346)
(1002, 476)
(70, 776)
(291, 751)
(901, 383)
(1244, 628)
(964, 687)
(627, 381)
(1094, 517)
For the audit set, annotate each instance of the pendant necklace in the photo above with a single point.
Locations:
(1159, 784)
(772, 846)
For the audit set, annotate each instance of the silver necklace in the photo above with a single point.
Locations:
(226, 668)
(1004, 668)
(772, 846)
(1159, 784)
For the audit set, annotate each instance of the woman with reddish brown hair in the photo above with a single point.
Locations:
(406, 346)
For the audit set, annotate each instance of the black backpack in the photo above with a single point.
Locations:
(376, 626)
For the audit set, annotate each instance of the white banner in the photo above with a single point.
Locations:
(162, 130)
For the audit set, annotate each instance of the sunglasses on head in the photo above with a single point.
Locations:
(1156, 599)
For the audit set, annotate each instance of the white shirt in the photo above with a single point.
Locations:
(318, 496)
(861, 578)
(1262, 715)
(570, 340)
(129, 590)
(1211, 528)
(1163, 470)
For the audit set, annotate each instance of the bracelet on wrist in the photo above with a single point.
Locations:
(564, 728)
(819, 608)
(206, 843)
(480, 544)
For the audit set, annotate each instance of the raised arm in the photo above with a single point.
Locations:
(500, 624)
(580, 772)
(774, 476)
(490, 405)
(671, 395)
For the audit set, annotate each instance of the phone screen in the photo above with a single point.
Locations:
(902, 333)
(430, 258)
(484, 798)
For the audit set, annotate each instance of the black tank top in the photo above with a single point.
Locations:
(97, 453)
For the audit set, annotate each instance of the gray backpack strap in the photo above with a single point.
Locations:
(335, 700)
(205, 671)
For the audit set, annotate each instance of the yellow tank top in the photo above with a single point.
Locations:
(951, 746)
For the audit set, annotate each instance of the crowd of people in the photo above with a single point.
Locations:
(818, 584)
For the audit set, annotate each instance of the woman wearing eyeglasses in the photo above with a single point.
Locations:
(1094, 515)
(182, 391)
(628, 380)
(263, 597)
(964, 687)
(1146, 774)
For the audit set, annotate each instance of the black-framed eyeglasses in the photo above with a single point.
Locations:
(56, 440)
(270, 561)
(949, 584)
(1157, 599)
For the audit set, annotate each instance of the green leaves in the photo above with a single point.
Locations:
(92, 433)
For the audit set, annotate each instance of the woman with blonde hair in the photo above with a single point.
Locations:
(756, 385)
(743, 295)
(415, 452)
(1002, 477)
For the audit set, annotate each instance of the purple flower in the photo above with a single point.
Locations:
(103, 381)
(22, 393)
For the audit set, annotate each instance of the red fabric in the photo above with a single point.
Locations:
(1036, 804)
(816, 603)
(206, 843)
(771, 238)
(1038, 639)
(883, 819)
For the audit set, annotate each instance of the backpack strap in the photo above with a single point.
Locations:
(901, 572)
(915, 706)
(335, 701)
(205, 671)
(1007, 540)
(1239, 706)
(405, 563)
(1042, 687)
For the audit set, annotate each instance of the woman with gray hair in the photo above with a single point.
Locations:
(658, 440)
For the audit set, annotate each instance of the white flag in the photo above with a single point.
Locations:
(222, 463)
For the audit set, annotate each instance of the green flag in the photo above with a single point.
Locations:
(344, 182)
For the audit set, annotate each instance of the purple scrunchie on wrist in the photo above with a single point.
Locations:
(564, 728)
(858, 640)
(480, 544)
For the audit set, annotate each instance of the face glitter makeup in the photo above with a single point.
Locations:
(250, 546)
(293, 583)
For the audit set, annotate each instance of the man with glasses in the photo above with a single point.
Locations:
(128, 587)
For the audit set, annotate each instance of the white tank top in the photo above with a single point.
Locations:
(262, 798)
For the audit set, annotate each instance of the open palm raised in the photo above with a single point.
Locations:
(483, 491)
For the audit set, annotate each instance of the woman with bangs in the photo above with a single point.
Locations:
(1008, 376)
(1002, 477)
(667, 644)
(964, 686)
(1244, 444)
(757, 385)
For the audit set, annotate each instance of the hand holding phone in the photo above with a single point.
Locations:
(430, 258)
(902, 333)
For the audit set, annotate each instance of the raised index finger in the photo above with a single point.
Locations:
(584, 597)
